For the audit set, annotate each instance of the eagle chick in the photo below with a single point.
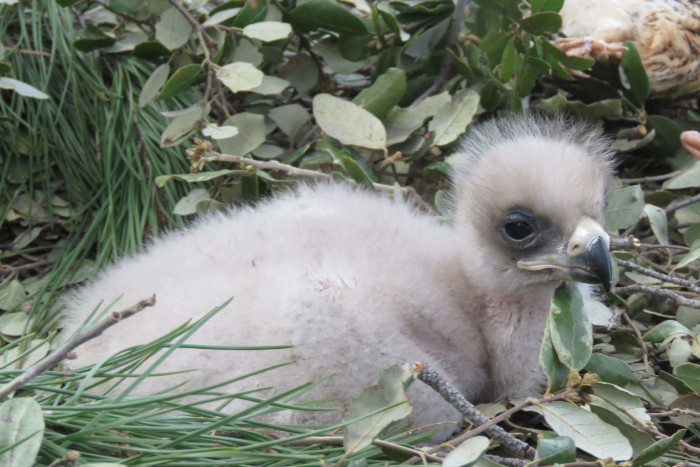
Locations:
(357, 282)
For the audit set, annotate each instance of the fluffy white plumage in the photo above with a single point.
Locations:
(357, 282)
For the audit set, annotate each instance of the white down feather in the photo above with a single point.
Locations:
(356, 282)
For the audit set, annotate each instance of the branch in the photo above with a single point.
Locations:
(692, 286)
(669, 210)
(199, 158)
(431, 377)
(673, 297)
(338, 440)
(77, 339)
(452, 37)
(681, 204)
(195, 24)
(655, 178)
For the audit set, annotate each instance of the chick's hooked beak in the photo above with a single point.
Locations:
(586, 258)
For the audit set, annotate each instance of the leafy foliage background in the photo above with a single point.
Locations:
(101, 100)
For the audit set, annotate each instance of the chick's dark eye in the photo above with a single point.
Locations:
(518, 230)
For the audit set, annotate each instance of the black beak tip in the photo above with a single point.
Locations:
(595, 265)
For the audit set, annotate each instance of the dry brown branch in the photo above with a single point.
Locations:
(77, 339)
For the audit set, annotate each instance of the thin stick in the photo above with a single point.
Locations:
(195, 24)
(433, 379)
(77, 339)
(692, 286)
(213, 156)
(338, 440)
(673, 297)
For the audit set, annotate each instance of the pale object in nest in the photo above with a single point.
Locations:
(357, 282)
(666, 33)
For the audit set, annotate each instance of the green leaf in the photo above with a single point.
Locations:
(610, 369)
(572, 336)
(401, 123)
(689, 373)
(665, 330)
(659, 223)
(328, 15)
(153, 84)
(172, 29)
(508, 61)
(658, 449)
(89, 44)
(546, 5)
(557, 450)
(555, 370)
(493, 45)
(240, 76)
(544, 23)
(353, 163)
(187, 205)
(386, 92)
(587, 430)
(333, 114)
(179, 81)
(12, 294)
(689, 178)
(182, 126)
(626, 406)
(352, 46)
(251, 134)
(22, 431)
(252, 12)
(668, 135)
(676, 383)
(289, 118)
(692, 255)
(490, 97)
(635, 74)
(467, 453)
(268, 31)
(625, 206)
(690, 402)
(452, 119)
(389, 392)
(14, 324)
(151, 50)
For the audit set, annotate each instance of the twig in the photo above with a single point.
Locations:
(640, 340)
(669, 210)
(673, 297)
(431, 377)
(452, 37)
(508, 462)
(77, 339)
(338, 440)
(681, 204)
(213, 156)
(505, 415)
(659, 275)
(675, 413)
(195, 24)
(655, 178)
